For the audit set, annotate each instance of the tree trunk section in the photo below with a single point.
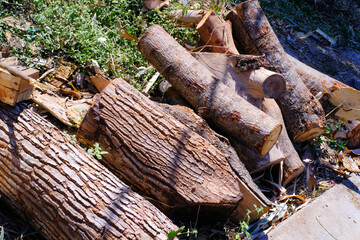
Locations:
(303, 114)
(293, 164)
(209, 97)
(255, 81)
(252, 194)
(216, 34)
(158, 155)
(59, 188)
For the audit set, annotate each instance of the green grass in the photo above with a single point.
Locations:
(72, 29)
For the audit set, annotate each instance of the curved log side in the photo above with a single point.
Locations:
(216, 33)
(303, 114)
(58, 187)
(209, 97)
(157, 154)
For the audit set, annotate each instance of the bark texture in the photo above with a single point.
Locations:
(216, 34)
(210, 98)
(157, 154)
(354, 137)
(293, 165)
(61, 189)
(252, 194)
(303, 114)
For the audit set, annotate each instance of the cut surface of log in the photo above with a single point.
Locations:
(251, 193)
(157, 154)
(293, 166)
(258, 82)
(209, 97)
(304, 116)
(216, 33)
(61, 189)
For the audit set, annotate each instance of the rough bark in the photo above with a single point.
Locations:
(209, 97)
(293, 165)
(257, 82)
(252, 194)
(303, 114)
(216, 34)
(59, 188)
(157, 154)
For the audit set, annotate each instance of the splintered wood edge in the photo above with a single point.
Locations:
(204, 19)
(310, 134)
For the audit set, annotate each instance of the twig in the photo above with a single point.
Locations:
(45, 74)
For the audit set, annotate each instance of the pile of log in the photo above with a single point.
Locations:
(248, 102)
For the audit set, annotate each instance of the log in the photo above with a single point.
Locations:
(217, 34)
(159, 156)
(208, 96)
(293, 166)
(303, 114)
(252, 194)
(257, 82)
(53, 183)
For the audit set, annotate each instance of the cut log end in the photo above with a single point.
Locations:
(310, 134)
(271, 140)
(274, 86)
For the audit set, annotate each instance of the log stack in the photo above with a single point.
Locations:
(250, 100)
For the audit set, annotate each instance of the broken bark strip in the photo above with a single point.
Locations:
(211, 99)
(303, 114)
(354, 137)
(313, 79)
(293, 164)
(217, 34)
(252, 194)
(258, 82)
(62, 190)
(157, 154)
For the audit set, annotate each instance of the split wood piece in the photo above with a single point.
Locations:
(188, 18)
(258, 82)
(254, 162)
(354, 137)
(293, 165)
(212, 99)
(158, 155)
(216, 34)
(13, 88)
(69, 112)
(303, 114)
(53, 183)
(252, 194)
(100, 81)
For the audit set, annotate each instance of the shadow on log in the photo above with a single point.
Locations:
(209, 97)
(58, 187)
(159, 156)
(303, 114)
